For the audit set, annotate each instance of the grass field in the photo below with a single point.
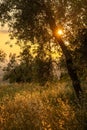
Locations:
(34, 107)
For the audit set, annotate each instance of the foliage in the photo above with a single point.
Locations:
(2, 55)
(28, 20)
(19, 72)
(9, 70)
(82, 41)
(80, 52)
(30, 106)
(28, 69)
(43, 71)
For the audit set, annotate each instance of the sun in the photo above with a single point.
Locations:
(59, 32)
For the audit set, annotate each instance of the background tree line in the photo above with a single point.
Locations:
(26, 68)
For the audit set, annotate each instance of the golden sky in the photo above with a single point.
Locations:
(4, 37)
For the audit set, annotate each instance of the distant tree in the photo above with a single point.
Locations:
(9, 72)
(19, 72)
(43, 70)
(39, 19)
(26, 61)
(2, 56)
(43, 64)
(25, 56)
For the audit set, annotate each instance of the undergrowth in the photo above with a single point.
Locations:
(35, 107)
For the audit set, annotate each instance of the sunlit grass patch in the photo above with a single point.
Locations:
(35, 107)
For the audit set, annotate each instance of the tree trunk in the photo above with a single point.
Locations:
(71, 68)
(69, 61)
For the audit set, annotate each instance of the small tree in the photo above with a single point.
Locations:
(2, 56)
(22, 71)
(26, 61)
(9, 70)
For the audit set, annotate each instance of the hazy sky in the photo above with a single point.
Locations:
(4, 37)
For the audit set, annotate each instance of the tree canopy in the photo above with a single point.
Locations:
(30, 20)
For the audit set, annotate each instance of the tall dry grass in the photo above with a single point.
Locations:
(33, 107)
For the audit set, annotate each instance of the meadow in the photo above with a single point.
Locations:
(33, 107)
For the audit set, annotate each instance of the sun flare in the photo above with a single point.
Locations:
(59, 32)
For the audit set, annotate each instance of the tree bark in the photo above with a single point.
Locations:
(69, 61)
(71, 68)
